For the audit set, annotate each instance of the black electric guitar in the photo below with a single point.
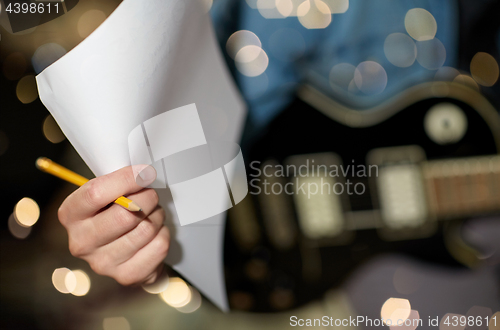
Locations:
(331, 186)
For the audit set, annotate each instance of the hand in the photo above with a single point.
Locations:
(127, 246)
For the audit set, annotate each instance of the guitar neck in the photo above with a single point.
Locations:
(462, 187)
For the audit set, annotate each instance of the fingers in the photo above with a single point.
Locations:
(125, 247)
(145, 265)
(116, 221)
(101, 191)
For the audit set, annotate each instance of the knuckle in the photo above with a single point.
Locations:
(153, 196)
(158, 216)
(93, 192)
(124, 218)
(146, 229)
(126, 278)
(162, 214)
(97, 268)
(76, 248)
(127, 175)
(100, 265)
(162, 244)
(62, 214)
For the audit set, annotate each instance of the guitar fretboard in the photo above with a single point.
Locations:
(463, 187)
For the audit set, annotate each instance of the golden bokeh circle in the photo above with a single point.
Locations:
(26, 212)
(26, 89)
(51, 130)
(484, 69)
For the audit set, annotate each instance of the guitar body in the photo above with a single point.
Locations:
(263, 276)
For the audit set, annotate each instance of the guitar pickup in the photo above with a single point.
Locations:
(400, 193)
(319, 198)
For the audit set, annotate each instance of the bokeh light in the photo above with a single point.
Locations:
(241, 39)
(431, 54)
(115, 323)
(285, 7)
(411, 323)
(14, 66)
(59, 279)
(82, 285)
(252, 4)
(395, 309)
(269, 8)
(16, 229)
(26, 212)
(76, 282)
(70, 281)
(446, 73)
(494, 323)
(400, 50)
(484, 69)
(177, 293)
(337, 6)
(89, 21)
(352, 88)
(420, 24)
(467, 81)
(51, 130)
(251, 61)
(296, 4)
(193, 304)
(159, 285)
(370, 77)
(341, 75)
(478, 312)
(26, 89)
(45, 55)
(314, 14)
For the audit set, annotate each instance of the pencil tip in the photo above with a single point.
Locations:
(134, 207)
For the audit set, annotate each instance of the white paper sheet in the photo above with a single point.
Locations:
(149, 57)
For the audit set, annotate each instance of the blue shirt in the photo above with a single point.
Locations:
(298, 55)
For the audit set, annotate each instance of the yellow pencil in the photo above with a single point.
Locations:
(46, 165)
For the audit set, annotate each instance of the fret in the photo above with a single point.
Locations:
(452, 188)
(429, 173)
(478, 182)
(458, 199)
(464, 191)
(445, 191)
(463, 187)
